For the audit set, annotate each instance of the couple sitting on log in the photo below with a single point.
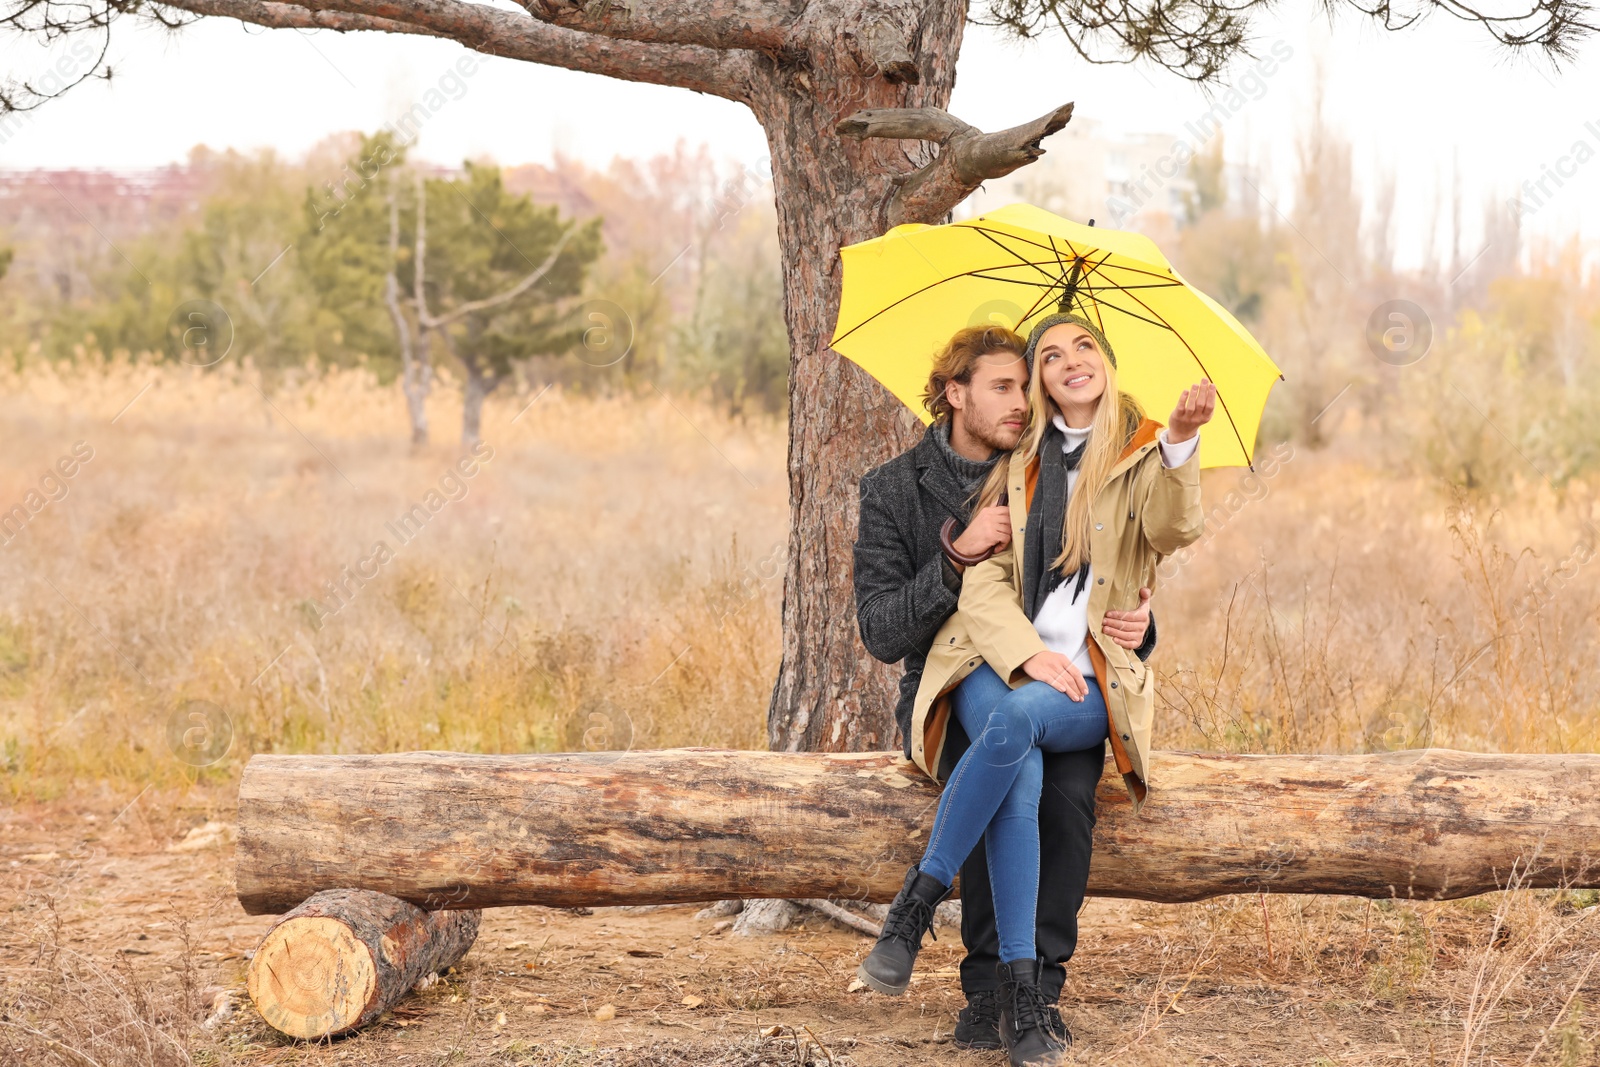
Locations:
(1024, 641)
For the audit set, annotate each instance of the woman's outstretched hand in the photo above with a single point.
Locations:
(1055, 669)
(1194, 410)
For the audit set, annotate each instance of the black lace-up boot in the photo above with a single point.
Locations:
(1027, 1025)
(978, 1025)
(887, 967)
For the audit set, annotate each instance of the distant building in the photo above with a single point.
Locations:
(66, 224)
(1122, 181)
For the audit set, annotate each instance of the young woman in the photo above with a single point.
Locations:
(1098, 494)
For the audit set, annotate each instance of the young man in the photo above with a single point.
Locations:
(906, 586)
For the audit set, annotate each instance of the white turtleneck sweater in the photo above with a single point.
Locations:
(1062, 623)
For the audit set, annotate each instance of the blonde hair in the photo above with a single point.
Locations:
(1114, 424)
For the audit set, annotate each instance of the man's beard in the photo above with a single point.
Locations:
(993, 435)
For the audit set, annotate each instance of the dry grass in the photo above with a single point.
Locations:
(612, 576)
(1338, 606)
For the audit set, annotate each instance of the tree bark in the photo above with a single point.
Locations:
(447, 830)
(346, 956)
(830, 694)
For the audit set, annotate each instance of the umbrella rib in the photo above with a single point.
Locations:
(1203, 370)
(1094, 268)
(1166, 279)
(1161, 281)
(981, 272)
(976, 273)
(909, 296)
(1012, 252)
(1057, 253)
(1075, 294)
(1097, 316)
(1044, 298)
(1092, 290)
(1131, 314)
(987, 235)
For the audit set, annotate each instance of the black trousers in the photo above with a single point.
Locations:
(1066, 827)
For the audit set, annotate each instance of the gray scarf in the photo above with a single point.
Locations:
(969, 472)
(1039, 579)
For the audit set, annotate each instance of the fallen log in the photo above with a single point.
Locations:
(346, 956)
(446, 830)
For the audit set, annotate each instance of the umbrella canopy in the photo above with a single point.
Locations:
(906, 293)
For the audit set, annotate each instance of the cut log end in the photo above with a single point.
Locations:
(312, 977)
(345, 956)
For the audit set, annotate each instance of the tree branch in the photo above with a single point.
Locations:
(282, 16)
(510, 294)
(746, 24)
(906, 123)
(504, 33)
(968, 156)
(1198, 41)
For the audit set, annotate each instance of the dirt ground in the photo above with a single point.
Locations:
(114, 948)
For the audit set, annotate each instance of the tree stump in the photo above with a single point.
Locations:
(345, 956)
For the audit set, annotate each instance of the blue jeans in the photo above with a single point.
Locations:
(994, 790)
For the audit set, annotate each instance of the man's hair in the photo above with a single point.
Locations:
(959, 358)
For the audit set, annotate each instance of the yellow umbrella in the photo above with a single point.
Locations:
(907, 292)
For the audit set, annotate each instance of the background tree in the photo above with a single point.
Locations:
(343, 253)
(232, 253)
(496, 270)
(851, 96)
(490, 272)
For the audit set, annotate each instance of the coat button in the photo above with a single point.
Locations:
(1099, 526)
(1124, 737)
(1113, 685)
(1099, 581)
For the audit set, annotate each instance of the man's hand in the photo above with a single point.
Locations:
(1193, 410)
(1127, 628)
(1055, 669)
(989, 528)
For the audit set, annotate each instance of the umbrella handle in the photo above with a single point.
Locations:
(947, 542)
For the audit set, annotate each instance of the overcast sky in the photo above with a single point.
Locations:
(1424, 102)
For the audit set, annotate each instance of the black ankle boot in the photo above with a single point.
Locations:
(1027, 1026)
(978, 1024)
(887, 967)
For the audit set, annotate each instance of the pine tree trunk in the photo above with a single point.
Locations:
(830, 695)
